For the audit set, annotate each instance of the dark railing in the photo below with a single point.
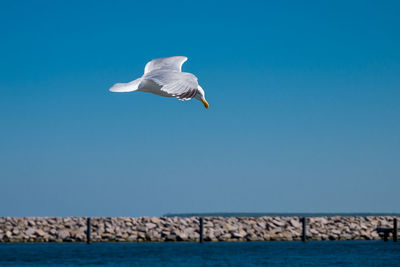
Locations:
(386, 231)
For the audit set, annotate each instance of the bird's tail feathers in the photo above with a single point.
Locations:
(125, 87)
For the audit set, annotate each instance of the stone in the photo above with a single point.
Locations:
(323, 220)
(189, 230)
(171, 238)
(63, 234)
(261, 224)
(30, 232)
(278, 222)
(78, 234)
(67, 220)
(106, 236)
(252, 237)
(142, 235)
(141, 228)
(40, 232)
(150, 225)
(132, 238)
(182, 236)
(337, 232)
(313, 231)
(231, 228)
(295, 223)
(109, 230)
(237, 235)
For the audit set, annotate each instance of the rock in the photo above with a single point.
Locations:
(231, 228)
(252, 237)
(295, 223)
(375, 235)
(107, 236)
(40, 232)
(150, 225)
(109, 229)
(278, 222)
(132, 238)
(210, 237)
(171, 238)
(323, 220)
(313, 231)
(141, 228)
(63, 234)
(189, 230)
(123, 236)
(78, 234)
(261, 224)
(67, 220)
(30, 232)
(182, 236)
(155, 220)
(237, 235)
(336, 232)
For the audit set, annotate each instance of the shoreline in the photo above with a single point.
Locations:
(187, 229)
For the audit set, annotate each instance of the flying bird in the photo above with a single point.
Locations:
(163, 77)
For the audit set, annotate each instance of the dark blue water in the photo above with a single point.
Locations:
(356, 253)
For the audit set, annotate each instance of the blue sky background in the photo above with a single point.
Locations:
(304, 108)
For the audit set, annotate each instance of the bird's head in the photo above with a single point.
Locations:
(201, 96)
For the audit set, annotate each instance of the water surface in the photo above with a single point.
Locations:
(316, 253)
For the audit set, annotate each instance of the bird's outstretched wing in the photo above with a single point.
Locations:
(182, 85)
(126, 87)
(165, 63)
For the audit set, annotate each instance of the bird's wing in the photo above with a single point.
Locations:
(126, 87)
(182, 85)
(165, 63)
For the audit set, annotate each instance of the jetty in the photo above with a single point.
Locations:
(196, 229)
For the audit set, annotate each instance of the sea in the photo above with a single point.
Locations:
(292, 253)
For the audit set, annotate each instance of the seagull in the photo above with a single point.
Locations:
(164, 77)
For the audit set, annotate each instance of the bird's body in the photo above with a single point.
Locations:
(163, 77)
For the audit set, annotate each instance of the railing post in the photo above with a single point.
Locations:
(201, 229)
(88, 230)
(304, 232)
(395, 230)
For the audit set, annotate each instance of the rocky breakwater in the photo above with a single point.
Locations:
(145, 229)
(42, 229)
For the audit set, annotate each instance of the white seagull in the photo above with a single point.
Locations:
(163, 76)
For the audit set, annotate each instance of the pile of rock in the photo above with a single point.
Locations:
(145, 229)
(346, 228)
(252, 229)
(42, 229)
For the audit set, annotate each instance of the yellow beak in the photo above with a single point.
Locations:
(205, 103)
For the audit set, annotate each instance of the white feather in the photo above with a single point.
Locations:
(126, 87)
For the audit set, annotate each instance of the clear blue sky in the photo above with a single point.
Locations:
(304, 108)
